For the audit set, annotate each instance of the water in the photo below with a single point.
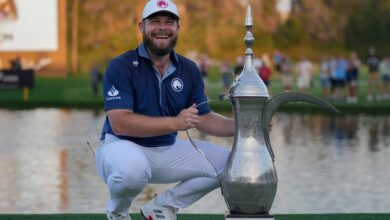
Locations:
(325, 164)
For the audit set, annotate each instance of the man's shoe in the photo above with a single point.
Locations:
(151, 211)
(115, 216)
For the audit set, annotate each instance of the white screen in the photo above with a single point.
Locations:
(35, 27)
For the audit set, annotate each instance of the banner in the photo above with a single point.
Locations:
(16, 79)
(28, 25)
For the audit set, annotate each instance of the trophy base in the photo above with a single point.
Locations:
(249, 217)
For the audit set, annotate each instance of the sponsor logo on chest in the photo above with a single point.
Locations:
(177, 84)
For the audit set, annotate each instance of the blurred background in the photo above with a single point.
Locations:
(215, 27)
(94, 31)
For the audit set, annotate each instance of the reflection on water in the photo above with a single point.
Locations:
(325, 164)
(331, 164)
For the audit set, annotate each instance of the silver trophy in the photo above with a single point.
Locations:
(250, 181)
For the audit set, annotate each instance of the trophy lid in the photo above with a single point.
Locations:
(248, 83)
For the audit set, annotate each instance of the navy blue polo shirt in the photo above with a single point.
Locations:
(132, 82)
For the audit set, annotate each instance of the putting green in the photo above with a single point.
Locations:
(196, 217)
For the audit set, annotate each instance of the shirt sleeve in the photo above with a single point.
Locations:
(197, 94)
(117, 86)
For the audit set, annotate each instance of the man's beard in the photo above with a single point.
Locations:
(156, 50)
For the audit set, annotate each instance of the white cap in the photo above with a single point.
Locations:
(154, 6)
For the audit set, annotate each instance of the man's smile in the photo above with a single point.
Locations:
(162, 37)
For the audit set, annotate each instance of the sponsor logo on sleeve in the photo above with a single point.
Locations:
(113, 94)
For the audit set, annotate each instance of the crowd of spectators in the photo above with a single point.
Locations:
(339, 77)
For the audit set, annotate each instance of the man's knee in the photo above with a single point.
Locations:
(130, 181)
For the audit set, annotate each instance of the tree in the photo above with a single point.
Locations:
(75, 28)
(369, 26)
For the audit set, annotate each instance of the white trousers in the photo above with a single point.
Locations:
(127, 167)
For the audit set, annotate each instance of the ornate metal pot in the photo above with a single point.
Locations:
(250, 181)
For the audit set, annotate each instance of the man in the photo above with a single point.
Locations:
(150, 94)
(384, 71)
(95, 78)
(16, 64)
(204, 68)
(304, 71)
(373, 62)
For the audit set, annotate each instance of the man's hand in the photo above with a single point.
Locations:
(187, 118)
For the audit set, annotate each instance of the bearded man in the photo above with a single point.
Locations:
(150, 94)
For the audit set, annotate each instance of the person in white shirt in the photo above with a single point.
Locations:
(304, 71)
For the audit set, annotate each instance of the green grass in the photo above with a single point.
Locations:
(54, 92)
(198, 217)
(76, 92)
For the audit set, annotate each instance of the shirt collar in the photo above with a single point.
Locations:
(144, 53)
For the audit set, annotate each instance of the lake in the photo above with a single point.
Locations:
(325, 164)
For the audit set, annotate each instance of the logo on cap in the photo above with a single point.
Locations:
(162, 4)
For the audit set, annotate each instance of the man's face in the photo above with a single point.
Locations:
(160, 33)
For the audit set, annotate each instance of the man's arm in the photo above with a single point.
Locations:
(216, 125)
(127, 123)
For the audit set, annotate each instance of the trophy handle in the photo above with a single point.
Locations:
(273, 104)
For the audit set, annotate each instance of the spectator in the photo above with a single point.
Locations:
(340, 77)
(373, 75)
(333, 76)
(384, 70)
(352, 77)
(239, 65)
(204, 67)
(325, 70)
(286, 73)
(16, 64)
(226, 72)
(257, 63)
(266, 59)
(265, 72)
(95, 77)
(304, 72)
(277, 60)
